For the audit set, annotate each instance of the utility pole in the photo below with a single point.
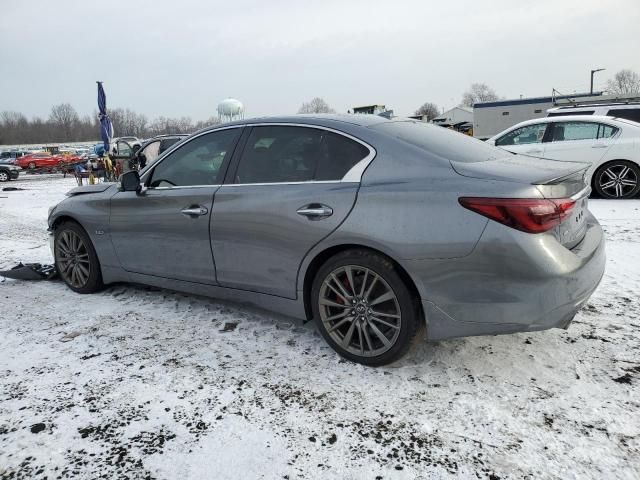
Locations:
(592, 72)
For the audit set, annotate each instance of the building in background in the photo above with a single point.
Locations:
(370, 109)
(458, 118)
(374, 110)
(490, 118)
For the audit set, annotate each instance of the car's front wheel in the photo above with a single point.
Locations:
(363, 308)
(4, 176)
(617, 179)
(32, 165)
(76, 259)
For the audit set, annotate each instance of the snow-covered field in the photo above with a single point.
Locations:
(143, 383)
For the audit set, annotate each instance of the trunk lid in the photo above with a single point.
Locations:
(525, 169)
(552, 178)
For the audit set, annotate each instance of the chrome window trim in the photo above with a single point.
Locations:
(353, 175)
(283, 183)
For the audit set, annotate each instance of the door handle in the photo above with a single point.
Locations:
(315, 211)
(534, 151)
(598, 145)
(194, 211)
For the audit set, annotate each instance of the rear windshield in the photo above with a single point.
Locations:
(441, 141)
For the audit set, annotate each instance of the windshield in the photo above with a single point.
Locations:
(441, 141)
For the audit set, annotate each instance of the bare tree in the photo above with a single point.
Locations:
(65, 118)
(206, 123)
(317, 105)
(428, 109)
(478, 92)
(625, 82)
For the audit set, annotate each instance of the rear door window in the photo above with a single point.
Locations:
(290, 154)
(565, 131)
(606, 131)
(523, 135)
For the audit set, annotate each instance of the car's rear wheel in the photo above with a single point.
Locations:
(32, 165)
(363, 308)
(617, 179)
(76, 259)
(4, 176)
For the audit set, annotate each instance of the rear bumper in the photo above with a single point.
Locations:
(512, 282)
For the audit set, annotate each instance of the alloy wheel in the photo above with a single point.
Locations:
(4, 176)
(360, 310)
(618, 181)
(73, 259)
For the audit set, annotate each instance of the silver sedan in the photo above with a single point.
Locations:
(374, 228)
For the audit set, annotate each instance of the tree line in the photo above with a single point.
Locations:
(64, 124)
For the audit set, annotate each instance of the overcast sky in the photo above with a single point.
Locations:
(181, 57)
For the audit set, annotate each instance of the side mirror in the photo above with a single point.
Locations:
(130, 181)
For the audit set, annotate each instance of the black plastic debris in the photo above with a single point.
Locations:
(229, 327)
(30, 271)
(12, 189)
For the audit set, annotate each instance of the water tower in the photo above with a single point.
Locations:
(230, 109)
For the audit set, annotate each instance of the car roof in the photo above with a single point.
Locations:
(364, 120)
(593, 106)
(567, 118)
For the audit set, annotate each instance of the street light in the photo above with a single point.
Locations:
(592, 72)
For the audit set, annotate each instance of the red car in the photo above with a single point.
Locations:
(39, 160)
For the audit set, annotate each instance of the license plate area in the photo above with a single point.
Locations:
(573, 228)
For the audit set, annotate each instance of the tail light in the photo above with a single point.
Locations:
(525, 214)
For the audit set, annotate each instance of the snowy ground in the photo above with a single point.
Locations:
(144, 383)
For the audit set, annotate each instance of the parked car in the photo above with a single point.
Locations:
(147, 153)
(39, 160)
(8, 171)
(628, 111)
(374, 228)
(611, 146)
(11, 155)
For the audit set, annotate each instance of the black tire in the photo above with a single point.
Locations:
(363, 267)
(608, 180)
(85, 283)
(4, 176)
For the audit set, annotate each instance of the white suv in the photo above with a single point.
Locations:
(628, 111)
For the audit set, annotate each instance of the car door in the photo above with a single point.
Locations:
(164, 230)
(579, 141)
(288, 189)
(148, 154)
(526, 140)
(121, 154)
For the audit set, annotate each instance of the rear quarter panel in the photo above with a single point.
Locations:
(407, 208)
